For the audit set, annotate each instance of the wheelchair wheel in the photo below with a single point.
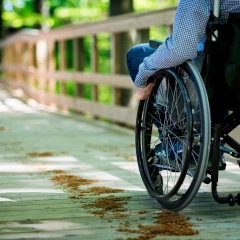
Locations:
(173, 131)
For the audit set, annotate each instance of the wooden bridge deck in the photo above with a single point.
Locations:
(45, 162)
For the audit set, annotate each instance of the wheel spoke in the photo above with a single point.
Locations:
(172, 145)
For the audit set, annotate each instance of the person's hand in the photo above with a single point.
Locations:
(143, 93)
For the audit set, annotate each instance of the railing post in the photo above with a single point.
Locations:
(19, 61)
(41, 58)
(115, 66)
(169, 30)
(9, 60)
(63, 67)
(62, 63)
(30, 61)
(51, 65)
(94, 65)
(78, 62)
(142, 36)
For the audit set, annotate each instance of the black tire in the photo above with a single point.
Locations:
(173, 137)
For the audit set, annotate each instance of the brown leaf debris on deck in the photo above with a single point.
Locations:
(172, 223)
(167, 224)
(71, 182)
(98, 191)
(57, 172)
(40, 154)
(108, 204)
(4, 128)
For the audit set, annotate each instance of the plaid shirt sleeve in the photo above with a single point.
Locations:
(188, 30)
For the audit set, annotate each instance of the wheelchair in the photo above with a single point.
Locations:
(180, 138)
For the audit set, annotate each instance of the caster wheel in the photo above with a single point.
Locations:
(238, 199)
(231, 200)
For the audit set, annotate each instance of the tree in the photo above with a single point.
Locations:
(41, 7)
(37, 8)
(125, 42)
(117, 8)
(1, 21)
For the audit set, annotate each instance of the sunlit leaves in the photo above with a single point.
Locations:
(20, 13)
(82, 14)
(147, 5)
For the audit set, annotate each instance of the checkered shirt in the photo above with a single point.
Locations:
(187, 39)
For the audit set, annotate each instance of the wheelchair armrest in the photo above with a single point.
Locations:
(155, 43)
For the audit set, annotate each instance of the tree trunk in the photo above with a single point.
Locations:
(1, 21)
(116, 8)
(41, 7)
(120, 7)
(37, 7)
(125, 42)
(1, 29)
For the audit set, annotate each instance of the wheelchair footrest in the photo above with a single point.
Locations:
(230, 151)
(230, 199)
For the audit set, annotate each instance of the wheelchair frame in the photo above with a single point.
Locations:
(221, 132)
(220, 136)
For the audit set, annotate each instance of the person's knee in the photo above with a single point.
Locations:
(136, 51)
(135, 57)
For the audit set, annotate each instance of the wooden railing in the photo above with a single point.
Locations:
(37, 62)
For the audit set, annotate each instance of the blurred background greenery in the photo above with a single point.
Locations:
(49, 14)
(53, 13)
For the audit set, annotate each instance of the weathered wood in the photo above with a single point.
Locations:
(94, 65)
(41, 62)
(115, 66)
(115, 24)
(30, 63)
(62, 63)
(43, 76)
(78, 63)
(116, 113)
(62, 67)
(169, 30)
(18, 60)
(33, 207)
(51, 66)
(115, 80)
(122, 23)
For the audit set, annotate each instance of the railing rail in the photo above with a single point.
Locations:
(37, 62)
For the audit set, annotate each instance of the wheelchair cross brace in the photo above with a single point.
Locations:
(230, 199)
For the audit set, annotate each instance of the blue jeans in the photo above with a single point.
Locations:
(135, 57)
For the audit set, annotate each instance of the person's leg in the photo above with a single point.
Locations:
(135, 57)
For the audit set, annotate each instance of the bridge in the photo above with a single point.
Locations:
(66, 175)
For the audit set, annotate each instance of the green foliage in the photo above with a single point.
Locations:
(104, 94)
(104, 42)
(147, 5)
(158, 33)
(20, 14)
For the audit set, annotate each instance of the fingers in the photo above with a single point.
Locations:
(140, 96)
(143, 93)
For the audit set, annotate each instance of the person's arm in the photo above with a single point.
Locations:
(188, 30)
